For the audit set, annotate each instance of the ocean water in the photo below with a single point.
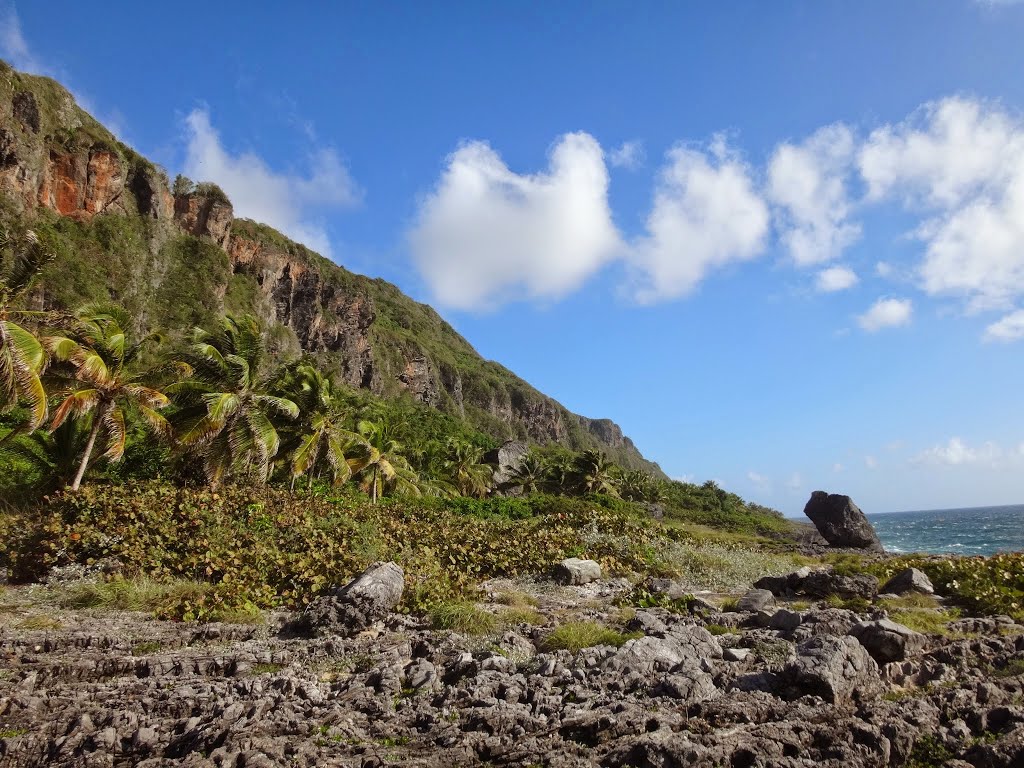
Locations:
(977, 531)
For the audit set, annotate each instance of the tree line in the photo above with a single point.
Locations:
(79, 389)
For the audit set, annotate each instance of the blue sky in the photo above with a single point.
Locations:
(782, 244)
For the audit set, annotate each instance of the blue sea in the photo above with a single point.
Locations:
(977, 531)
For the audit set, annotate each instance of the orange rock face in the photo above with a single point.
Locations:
(82, 183)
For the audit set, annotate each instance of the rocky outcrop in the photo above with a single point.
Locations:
(205, 216)
(344, 611)
(888, 641)
(836, 669)
(404, 694)
(841, 522)
(507, 458)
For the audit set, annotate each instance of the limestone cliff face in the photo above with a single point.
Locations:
(54, 156)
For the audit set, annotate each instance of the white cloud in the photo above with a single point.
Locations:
(795, 482)
(630, 155)
(486, 234)
(883, 269)
(807, 184)
(758, 480)
(706, 214)
(956, 452)
(1008, 328)
(837, 467)
(961, 163)
(285, 201)
(836, 279)
(886, 313)
(871, 462)
(13, 46)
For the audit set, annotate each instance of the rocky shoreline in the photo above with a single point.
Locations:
(784, 679)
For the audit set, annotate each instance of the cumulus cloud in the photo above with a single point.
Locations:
(836, 279)
(285, 201)
(956, 452)
(630, 155)
(486, 234)
(961, 163)
(706, 214)
(1008, 328)
(886, 313)
(871, 462)
(807, 184)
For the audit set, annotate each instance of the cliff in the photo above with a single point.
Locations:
(175, 261)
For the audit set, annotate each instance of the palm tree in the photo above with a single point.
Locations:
(637, 485)
(103, 385)
(594, 473)
(52, 457)
(320, 441)
(465, 469)
(227, 407)
(531, 475)
(383, 468)
(22, 356)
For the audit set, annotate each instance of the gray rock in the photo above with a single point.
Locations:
(837, 669)
(909, 580)
(687, 685)
(841, 522)
(646, 622)
(755, 600)
(420, 673)
(350, 609)
(785, 620)
(888, 641)
(685, 645)
(736, 654)
(507, 460)
(790, 583)
(828, 582)
(574, 571)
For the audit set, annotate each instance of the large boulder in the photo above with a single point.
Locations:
(574, 571)
(888, 641)
(837, 669)
(347, 610)
(841, 522)
(506, 459)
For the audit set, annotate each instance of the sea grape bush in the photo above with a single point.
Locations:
(993, 585)
(267, 547)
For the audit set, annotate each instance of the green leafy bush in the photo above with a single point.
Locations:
(263, 546)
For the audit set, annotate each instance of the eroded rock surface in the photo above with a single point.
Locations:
(117, 689)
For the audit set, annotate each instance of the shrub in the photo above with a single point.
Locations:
(988, 585)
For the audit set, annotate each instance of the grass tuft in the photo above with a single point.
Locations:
(39, 622)
(464, 617)
(585, 634)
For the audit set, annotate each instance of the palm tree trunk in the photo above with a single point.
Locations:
(88, 451)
